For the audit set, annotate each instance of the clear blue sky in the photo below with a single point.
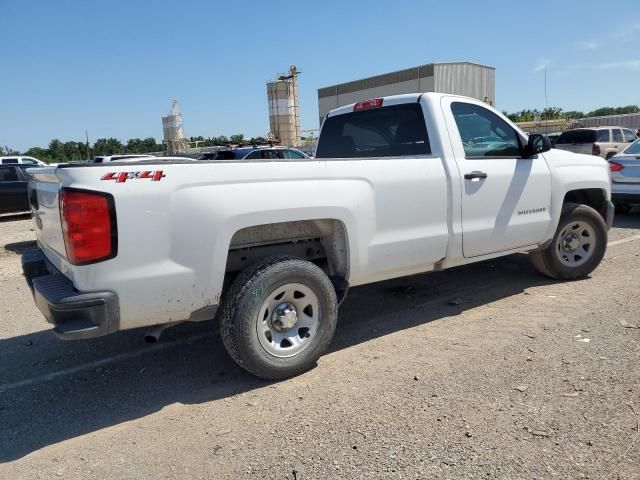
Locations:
(113, 67)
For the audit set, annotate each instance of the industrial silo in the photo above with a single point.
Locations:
(172, 131)
(284, 110)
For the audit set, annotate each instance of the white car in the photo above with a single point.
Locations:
(20, 160)
(122, 158)
(398, 187)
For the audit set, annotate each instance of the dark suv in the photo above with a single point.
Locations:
(13, 188)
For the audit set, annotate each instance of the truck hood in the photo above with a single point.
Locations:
(557, 157)
(578, 171)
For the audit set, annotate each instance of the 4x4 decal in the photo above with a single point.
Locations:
(121, 177)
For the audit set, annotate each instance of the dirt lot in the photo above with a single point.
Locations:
(486, 371)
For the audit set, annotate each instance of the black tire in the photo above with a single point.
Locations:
(548, 261)
(242, 303)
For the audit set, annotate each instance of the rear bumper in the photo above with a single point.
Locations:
(74, 314)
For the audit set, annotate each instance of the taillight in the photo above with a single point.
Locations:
(88, 226)
(367, 104)
(615, 167)
(595, 149)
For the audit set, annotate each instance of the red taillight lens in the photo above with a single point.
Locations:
(615, 167)
(595, 149)
(88, 226)
(367, 104)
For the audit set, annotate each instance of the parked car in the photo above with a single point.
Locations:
(256, 153)
(121, 158)
(19, 160)
(625, 177)
(13, 188)
(553, 138)
(271, 246)
(602, 141)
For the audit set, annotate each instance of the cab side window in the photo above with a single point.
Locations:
(603, 136)
(483, 133)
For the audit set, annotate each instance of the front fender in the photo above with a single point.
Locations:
(573, 172)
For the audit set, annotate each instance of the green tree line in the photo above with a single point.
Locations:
(553, 113)
(61, 152)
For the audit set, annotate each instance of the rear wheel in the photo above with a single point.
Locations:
(278, 317)
(577, 247)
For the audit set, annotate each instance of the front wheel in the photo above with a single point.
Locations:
(577, 247)
(278, 317)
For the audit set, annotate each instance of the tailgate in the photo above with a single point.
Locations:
(44, 185)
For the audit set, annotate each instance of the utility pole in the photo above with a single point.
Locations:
(87, 136)
(546, 104)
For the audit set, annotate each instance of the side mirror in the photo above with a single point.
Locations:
(537, 144)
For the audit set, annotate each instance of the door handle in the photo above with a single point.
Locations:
(474, 174)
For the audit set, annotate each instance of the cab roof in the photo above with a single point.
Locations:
(398, 99)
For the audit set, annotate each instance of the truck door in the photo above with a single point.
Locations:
(505, 198)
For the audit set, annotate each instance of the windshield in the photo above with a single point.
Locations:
(633, 149)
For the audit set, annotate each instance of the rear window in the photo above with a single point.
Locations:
(577, 136)
(634, 148)
(394, 131)
(13, 161)
(629, 136)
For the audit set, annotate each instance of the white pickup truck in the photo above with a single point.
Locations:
(400, 185)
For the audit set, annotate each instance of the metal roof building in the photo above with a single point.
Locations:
(460, 78)
(628, 120)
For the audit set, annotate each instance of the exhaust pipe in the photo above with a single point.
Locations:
(153, 334)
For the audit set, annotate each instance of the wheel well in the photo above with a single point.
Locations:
(593, 197)
(322, 241)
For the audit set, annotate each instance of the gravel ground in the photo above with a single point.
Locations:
(484, 371)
